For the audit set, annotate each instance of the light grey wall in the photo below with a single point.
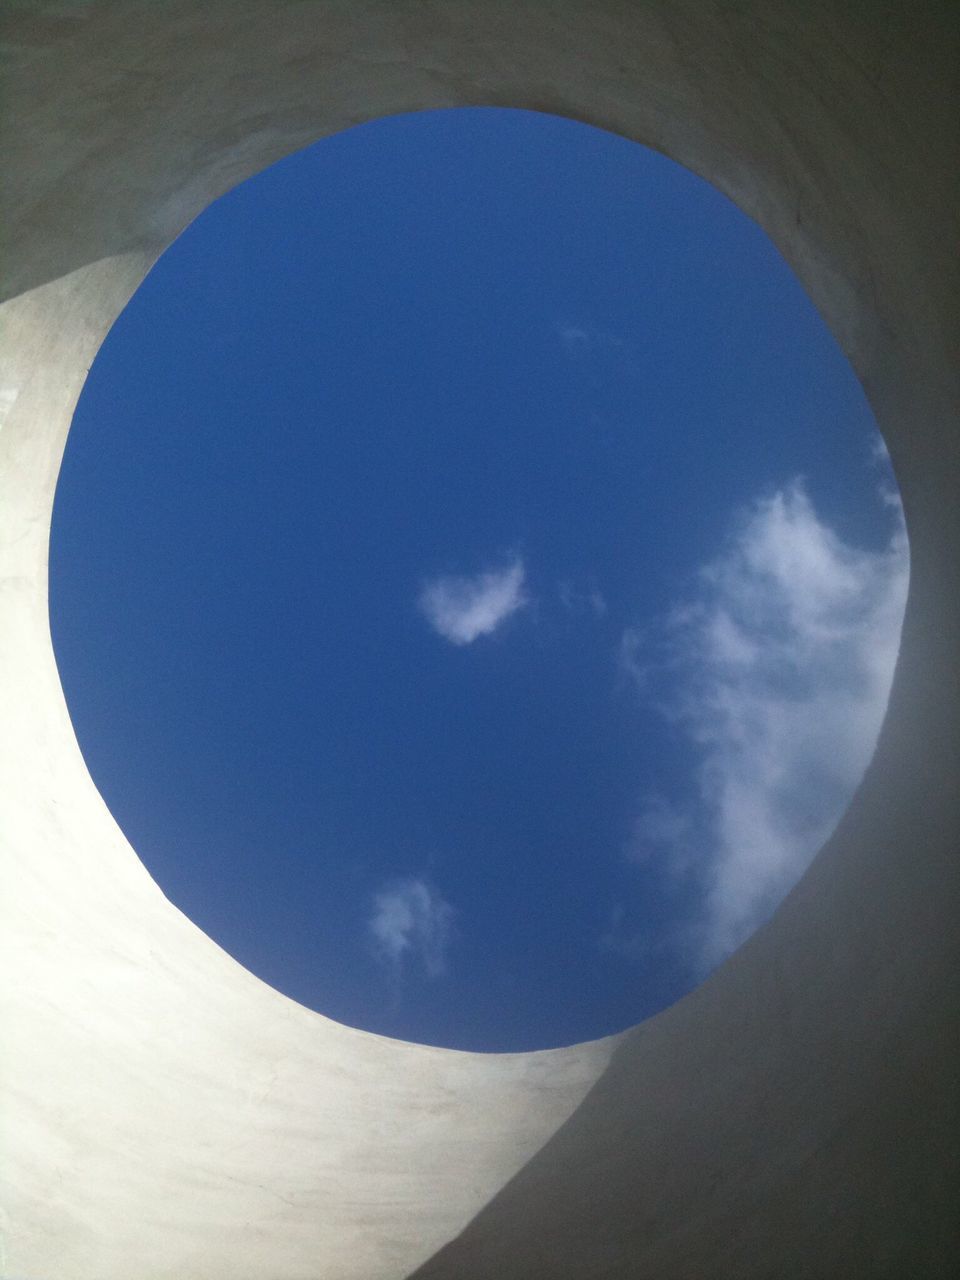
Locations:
(165, 1114)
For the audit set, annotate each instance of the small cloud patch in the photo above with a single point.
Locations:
(580, 340)
(461, 609)
(411, 922)
(576, 599)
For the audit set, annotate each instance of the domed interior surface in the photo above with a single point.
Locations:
(166, 1114)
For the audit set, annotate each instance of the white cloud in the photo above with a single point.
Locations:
(880, 457)
(778, 673)
(462, 608)
(580, 340)
(661, 827)
(581, 599)
(411, 920)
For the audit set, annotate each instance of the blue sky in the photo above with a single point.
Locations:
(475, 578)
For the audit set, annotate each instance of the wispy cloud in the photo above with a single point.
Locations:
(463, 608)
(577, 599)
(411, 921)
(777, 672)
(580, 340)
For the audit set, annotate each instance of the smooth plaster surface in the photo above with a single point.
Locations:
(165, 1114)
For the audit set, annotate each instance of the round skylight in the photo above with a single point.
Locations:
(476, 578)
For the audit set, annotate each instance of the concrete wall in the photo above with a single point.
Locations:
(164, 1113)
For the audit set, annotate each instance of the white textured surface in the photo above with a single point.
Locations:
(166, 1115)
(157, 1095)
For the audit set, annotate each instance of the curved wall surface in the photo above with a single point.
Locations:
(165, 1114)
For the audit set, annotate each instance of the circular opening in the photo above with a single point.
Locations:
(475, 578)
